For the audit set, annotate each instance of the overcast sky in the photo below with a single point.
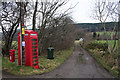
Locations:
(83, 11)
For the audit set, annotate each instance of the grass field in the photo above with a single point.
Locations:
(108, 33)
(77, 41)
(45, 64)
(111, 43)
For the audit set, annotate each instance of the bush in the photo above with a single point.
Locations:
(14, 45)
(94, 34)
(94, 45)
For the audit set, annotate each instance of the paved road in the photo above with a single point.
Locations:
(73, 68)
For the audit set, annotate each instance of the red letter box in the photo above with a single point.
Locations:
(31, 49)
(12, 55)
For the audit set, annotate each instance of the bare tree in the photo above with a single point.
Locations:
(47, 13)
(9, 22)
(104, 11)
(112, 7)
(61, 36)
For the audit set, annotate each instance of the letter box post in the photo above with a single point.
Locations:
(12, 55)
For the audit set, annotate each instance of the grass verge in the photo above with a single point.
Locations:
(0, 63)
(102, 56)
(45, 64)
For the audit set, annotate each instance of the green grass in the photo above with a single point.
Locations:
(110, 43)
(76, 41)
(108, 33)
(45, 64)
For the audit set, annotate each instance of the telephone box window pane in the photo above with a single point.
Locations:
(34, 54)
(35, 61)
(34, 46)
(34, 43)
(33, 34)
(26, 34)
(34, 39)
(35, 57)
(35, 64)
(34, 50)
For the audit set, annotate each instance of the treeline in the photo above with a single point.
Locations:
(92, 27)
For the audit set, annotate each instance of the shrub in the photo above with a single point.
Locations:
(94, 34)
(14, 45)
(94, 45)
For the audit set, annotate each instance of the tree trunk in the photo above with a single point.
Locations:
(6, 48)
(104, 26)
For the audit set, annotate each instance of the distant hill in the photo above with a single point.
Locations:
(96, 26)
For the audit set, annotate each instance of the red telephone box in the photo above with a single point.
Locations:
(12, 55)
(31, 49)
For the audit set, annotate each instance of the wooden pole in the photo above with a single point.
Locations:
(22, 34)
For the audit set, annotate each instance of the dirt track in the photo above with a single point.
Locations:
(73, 68)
